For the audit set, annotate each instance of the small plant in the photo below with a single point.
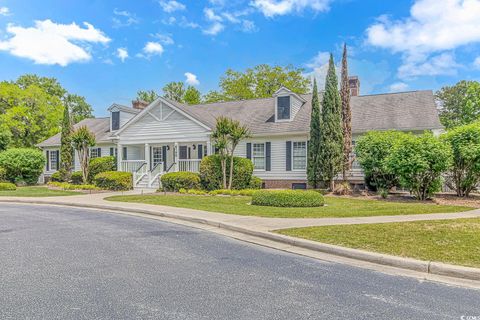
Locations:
(77, 177)
(343, 189)
(69, 186)
(57, 176)
(255, 183)
(114, 180)
(287, 198)
(383, 193)
(7, 186)
(174, 181)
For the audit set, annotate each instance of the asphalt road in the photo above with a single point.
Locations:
(65, 263)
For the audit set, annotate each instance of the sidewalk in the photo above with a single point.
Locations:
(253, 223)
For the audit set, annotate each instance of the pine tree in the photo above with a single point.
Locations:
(313, 165)
(66, 148)
(331, 138)
(346, 117)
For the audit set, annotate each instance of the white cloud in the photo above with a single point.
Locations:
(164, 38)
(151, 49)
(398, 87)
(271, 8)
(4, 11)
(191, 79)
(248, 26)
(122, 54)
(442, 64)
(216, 26)
(172, 5)
(476, 63)
(211, 16)
(51, 43)
(318, 66)
(432, 27)
(214, 29)
(123, 18)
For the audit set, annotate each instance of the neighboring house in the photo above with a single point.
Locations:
(166, 136)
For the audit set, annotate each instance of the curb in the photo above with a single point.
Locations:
(430, 267)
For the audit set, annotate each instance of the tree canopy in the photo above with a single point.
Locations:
(459, 104)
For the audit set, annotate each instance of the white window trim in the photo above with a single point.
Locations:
(306, 156)
(153, 157)
(94, 148)
(276, 108)
(264, 157)
(50, 152)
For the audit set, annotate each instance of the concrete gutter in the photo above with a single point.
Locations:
(427, 267)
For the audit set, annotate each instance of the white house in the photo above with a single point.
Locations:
(166, 136)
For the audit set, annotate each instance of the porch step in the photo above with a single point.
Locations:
(143, 184)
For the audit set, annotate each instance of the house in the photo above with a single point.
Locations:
(166, 136)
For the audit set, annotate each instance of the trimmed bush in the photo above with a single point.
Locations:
(255, 183)
(211, 172)
(226, 192)
(287, 198)
(102, 164)
(175, 181)
(7, 186)
(69, 186)
(77, 177)
(22, 164)
(3, 175)
(114, 180)
(57, 177)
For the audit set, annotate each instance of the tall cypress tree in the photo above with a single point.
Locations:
(66, 148)
(313, 162)
(346, 117)
(331, 137)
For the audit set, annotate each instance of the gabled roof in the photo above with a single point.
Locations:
(124, 108)
(100, 127)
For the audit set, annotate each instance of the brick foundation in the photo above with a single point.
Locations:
(281, 184)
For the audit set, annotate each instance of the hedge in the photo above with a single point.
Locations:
(77, 177)
(114, 180)
(174, 181)
(57, 177)
(69, 186)
(226, 192)
(211, 172)
(255, 183)
(7, 186)
(22, 164)
(102, 164)
(287, 198)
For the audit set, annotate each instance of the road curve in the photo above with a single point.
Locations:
(70, 263)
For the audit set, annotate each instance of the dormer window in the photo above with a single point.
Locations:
(115, 120)
(283, 108)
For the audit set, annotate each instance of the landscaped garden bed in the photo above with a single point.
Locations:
(36, 191)
(450, 241)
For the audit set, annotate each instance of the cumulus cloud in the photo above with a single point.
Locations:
(172, 5)
(122, 54)
(318, 67)
(214, 29)
(51, 43)
(216, 22)
(398, 87)
(271, 8)
(4, 11)
(123, 18)
(476, 63)
(151, 49)
(191, 79)
(220, 20)
(433, 27)
(442, 64)
(164, 38)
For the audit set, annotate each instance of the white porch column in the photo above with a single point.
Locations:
(147, 155)
(209, 148)
(119, 157)
(176, 155)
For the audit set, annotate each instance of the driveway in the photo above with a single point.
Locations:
(69, 263)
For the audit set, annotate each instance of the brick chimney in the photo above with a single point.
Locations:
(354, 84)
(139, 104)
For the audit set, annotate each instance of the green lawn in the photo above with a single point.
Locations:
(450, 241)
(36, 192)
(336, 207)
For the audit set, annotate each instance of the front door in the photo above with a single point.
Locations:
(157, 156)
(184, 153)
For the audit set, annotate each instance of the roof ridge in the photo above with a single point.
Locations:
(231, 101)
(391, 93)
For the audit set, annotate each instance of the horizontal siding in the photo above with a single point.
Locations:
(125, 117)
(105, 152)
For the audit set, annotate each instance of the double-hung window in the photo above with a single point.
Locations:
(258, 156)
(53, 161)
(299, 155)
(283, 108)
(94, 153)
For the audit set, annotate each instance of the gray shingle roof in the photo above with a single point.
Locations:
(415, 110)
(98, 126)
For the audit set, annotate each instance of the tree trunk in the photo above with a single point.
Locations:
(230, 178)
(224, 172)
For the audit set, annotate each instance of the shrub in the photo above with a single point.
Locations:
(3, 175)
(226, 192)
(372, 150)
(196, 192)
(102, 164)
(465, 170)
(343, 189)
(114, 180)
(211, 172)
(287, 198)
(57, 176)
(69, 186)
(7, 186)
(255, 183)
(77, 177)
(22, 164)
(419, 162)
(175, 181)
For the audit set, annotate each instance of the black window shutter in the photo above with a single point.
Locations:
(200, 151)
(99, 152)
(58, 159)
(48, 160)
(115, 120)
(111, 152)
(249, 151)
(164, 157)
(124, 151)
(289, 156)
(268, 157)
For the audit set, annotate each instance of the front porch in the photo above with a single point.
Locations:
(147, 162)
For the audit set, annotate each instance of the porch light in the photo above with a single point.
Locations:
(168, 147)
(194, 147)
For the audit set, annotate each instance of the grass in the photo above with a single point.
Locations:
(336, 207)
(36, 191)
(451, 241)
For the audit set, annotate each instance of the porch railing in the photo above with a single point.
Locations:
(131, 165)
(155, 173)
(140, 173)
(191, 165)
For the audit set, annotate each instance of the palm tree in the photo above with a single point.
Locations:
(237, 132)
(220, 138)
(82, 140)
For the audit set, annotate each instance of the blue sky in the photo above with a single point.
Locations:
(107, 50)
